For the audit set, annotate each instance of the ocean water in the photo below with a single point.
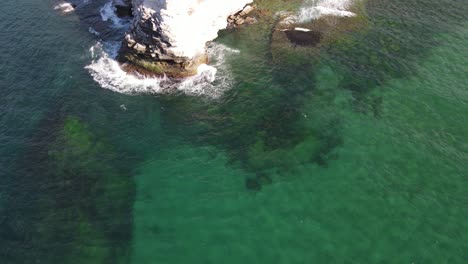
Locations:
(352, 151)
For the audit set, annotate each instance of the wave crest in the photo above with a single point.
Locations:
(211, 81)
(64, 7)
(108, 13)
(315, 9)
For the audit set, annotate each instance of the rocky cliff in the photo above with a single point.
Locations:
(169, 36)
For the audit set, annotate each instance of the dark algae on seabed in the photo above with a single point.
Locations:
(73, 202)
(350, 150)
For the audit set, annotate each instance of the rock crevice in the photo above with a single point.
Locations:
(169, 36)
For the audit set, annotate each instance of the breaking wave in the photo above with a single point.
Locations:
(93, 31)
(108, 13)
(314, 9)
(211, 81)
(65, 7)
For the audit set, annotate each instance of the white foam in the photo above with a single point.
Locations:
(93, 31)
(211, 81)
(302, 29)
(187, 25)
(120, 2)
(314, 9)
(64, 7)
(310, 13)
(108, 14)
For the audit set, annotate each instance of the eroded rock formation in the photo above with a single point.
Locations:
(169, 36)
(317, 24)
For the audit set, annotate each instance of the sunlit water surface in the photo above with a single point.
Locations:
(354, 152)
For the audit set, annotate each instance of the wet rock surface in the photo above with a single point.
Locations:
(169, 37)
(294, 36)
(304, 38)
(244, 16)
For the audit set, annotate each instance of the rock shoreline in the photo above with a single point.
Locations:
(168, 37)
(242, 17)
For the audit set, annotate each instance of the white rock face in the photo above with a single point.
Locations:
(180, 28)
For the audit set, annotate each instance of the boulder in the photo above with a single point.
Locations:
(172, 34)
(241, 17)
(139, 48)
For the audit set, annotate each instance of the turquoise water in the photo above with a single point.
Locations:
(353, 152)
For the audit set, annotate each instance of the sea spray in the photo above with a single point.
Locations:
(211, 80)
(65, 7)
(108, 13)
(315, 9)
(93, 31)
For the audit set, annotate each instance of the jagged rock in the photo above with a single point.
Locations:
(130, 40)
(139, 47)
(247, 10)
(313, 27)
(123, 10)
(304, 37)
(250, 20)
(240, 21)
(241, 17)
(171, 35)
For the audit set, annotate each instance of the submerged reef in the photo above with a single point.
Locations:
(70, 176)
(314, 26)
(169, 37)
(290, 118)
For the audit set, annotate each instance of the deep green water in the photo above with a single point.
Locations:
(354, 153)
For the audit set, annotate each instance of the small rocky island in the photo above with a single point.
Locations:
(168, 37)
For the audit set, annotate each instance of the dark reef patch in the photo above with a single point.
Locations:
(253, 184)
(281, 117)
(72, 203)
(304, 38)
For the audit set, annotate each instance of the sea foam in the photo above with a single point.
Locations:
(64, 7)
(211, 81)
(107, 13)
(314, 9)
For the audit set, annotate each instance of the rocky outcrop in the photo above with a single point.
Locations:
(242, 17)
(169, 36)
(316, 25)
